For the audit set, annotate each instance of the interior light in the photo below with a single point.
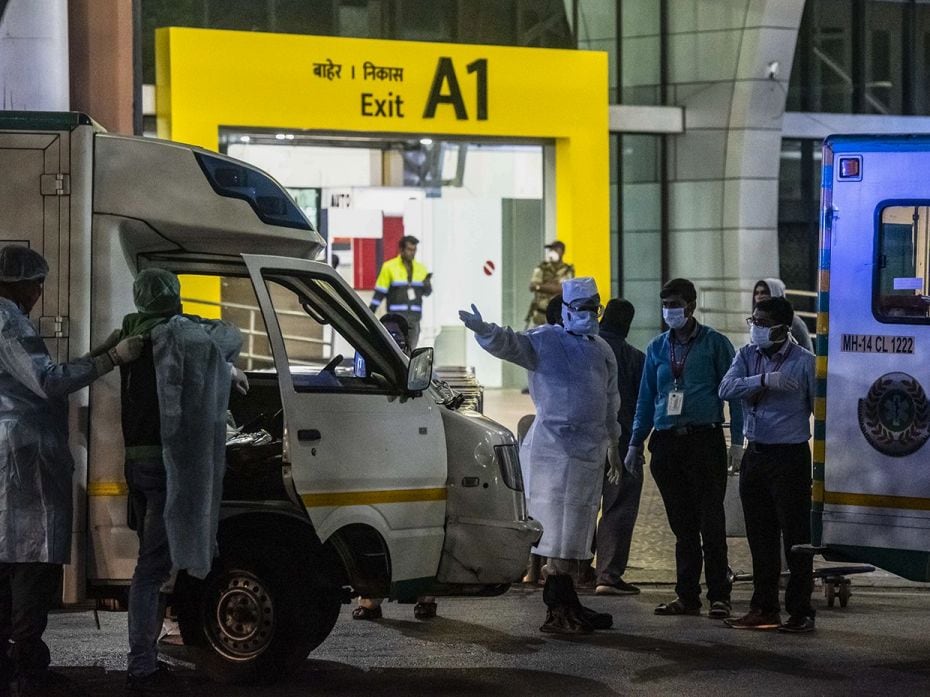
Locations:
(244, 139)
(290, 136)
(426, 141)
(279, 136)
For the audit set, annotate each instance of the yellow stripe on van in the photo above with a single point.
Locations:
(364, 498)
(107, 489)
(821, 367)
(910, 503)
(820, 449)
(820, 408)
(817, 491)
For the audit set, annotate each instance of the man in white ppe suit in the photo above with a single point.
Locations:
(35, 471)
(573, 383)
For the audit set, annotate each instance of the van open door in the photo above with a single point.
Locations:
(357, 445)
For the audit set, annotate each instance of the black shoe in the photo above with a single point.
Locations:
(161, 682)
(564, 620)
(798, 624)
(621, 587)
(424, 610)
(719, 610)
(678, 607)
(598, 620)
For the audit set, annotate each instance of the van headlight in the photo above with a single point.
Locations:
(508, 458)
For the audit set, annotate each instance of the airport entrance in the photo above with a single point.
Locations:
(482, 153)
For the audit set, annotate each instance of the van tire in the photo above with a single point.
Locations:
(256, 616)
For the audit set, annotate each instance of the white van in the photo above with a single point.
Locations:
(871, 493)
(370, 483)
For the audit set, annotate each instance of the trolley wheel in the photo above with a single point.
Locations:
(829, 592)
(844, 593)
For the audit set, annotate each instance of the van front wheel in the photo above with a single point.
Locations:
(256, 616)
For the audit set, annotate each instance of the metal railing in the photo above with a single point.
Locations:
(735, 315)
(256, 328)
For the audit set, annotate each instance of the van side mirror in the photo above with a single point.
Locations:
(420, 369)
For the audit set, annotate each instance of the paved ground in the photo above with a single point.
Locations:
(876, 646)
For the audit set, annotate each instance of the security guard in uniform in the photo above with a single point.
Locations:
(404, 282)
(546, 282)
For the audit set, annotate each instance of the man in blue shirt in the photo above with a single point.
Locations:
(678, 398)
(774, 378)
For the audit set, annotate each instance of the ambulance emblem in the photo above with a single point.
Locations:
(895, 415)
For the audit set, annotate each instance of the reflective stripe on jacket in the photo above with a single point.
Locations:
(404, 290)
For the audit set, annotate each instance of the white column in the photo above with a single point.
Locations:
(34, 55)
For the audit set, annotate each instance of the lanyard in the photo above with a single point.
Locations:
(678, 367)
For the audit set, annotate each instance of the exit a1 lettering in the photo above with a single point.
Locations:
(391, 106)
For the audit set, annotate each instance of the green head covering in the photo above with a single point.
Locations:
(156, 291)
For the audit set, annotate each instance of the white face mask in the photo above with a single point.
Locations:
(674, 317)
(552, 255)
(760, 336)
(580, 321)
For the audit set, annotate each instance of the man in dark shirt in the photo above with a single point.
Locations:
(620, 501)
(157, 296)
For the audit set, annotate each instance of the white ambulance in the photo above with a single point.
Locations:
(370, 483)
(871, 495)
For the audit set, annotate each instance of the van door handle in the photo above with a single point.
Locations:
(309, 434)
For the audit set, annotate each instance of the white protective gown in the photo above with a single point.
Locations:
(192, 358)
(35, 463)
(573, 383)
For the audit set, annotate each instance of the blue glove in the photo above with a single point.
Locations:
(473, 321)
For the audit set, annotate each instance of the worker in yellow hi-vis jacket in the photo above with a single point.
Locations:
(404, 282)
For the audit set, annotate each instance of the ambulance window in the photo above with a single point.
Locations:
(901, 293)
(329, 346)
(231, 299)
(317, 323)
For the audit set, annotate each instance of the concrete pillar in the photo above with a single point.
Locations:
(102, 85)
(729, 64)
(34, 55)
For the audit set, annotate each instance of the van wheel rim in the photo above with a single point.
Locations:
(243, 624)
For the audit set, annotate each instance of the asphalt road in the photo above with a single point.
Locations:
(878, 645)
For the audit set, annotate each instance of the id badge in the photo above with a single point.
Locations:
(411, 293)
(675, 403)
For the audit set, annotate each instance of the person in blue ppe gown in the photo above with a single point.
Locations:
(174, 402)
(35, 470)
(573, 384)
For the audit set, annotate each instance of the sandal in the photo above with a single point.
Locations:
(366, 613)
(424, 610)
(678, 607)
(719, 610)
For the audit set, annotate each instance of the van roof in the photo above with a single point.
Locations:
(46, 121)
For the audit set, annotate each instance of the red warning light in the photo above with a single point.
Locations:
(850, 168)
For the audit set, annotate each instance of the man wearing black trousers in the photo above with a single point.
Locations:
(678, 398)
(620, 500)
(774, 378)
